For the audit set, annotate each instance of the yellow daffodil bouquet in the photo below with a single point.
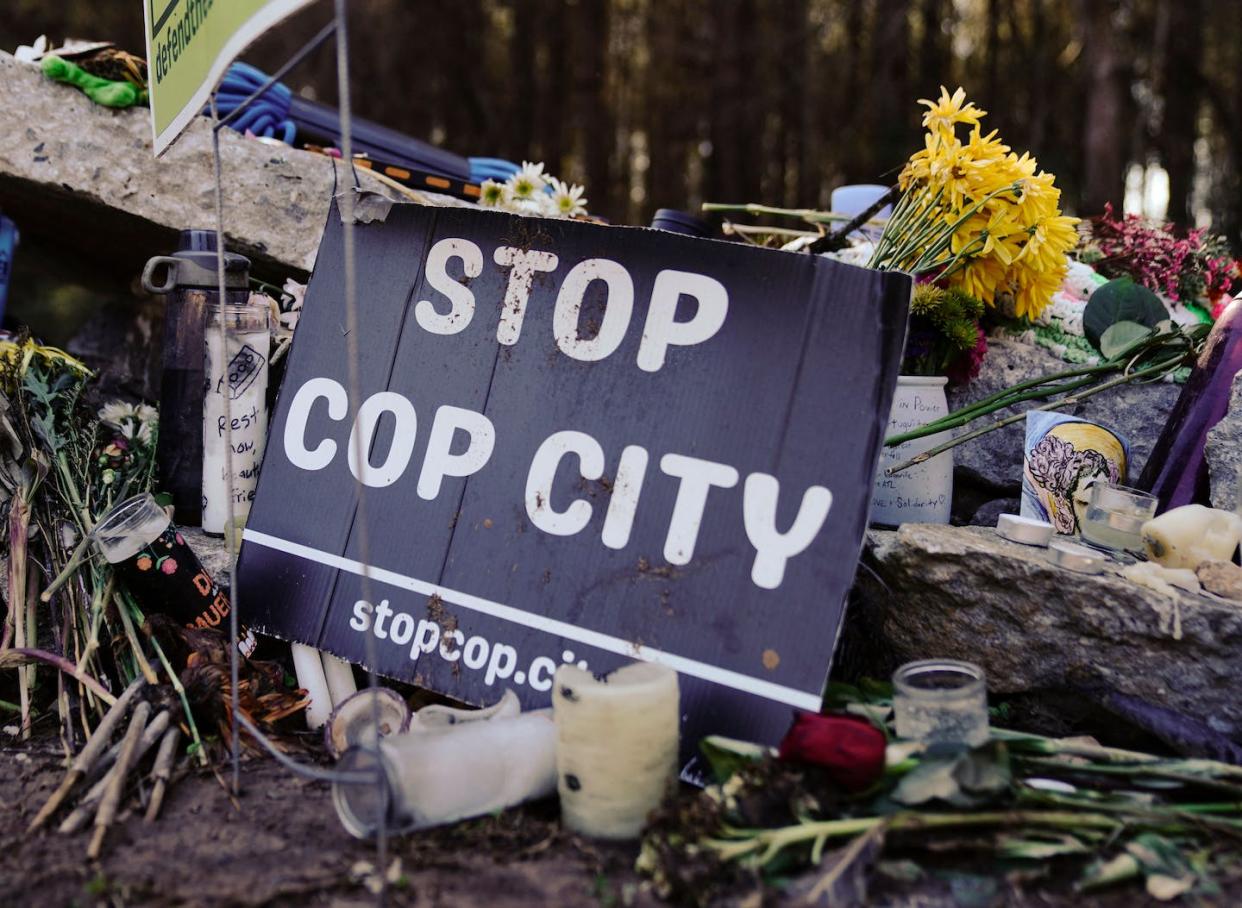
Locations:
(976, 217)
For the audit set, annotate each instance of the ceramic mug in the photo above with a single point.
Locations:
(1064, 456)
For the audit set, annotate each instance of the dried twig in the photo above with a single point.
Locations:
(116, 786)
(88, 754)
(150, 737)
(15, 656)
(162, 771)
(151, 734)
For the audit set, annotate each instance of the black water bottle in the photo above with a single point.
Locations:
(191, 286)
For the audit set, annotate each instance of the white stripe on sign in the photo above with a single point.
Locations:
(722, 676)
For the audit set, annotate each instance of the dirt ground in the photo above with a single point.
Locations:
(281, 844)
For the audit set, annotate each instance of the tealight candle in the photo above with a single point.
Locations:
(617, 740)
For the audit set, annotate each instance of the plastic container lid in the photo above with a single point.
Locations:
(675, 221)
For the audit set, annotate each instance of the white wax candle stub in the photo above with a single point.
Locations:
(1076, 557)
(340, 678)
(241, 374)
(617, 742)
(1026, 530)
(308, 666)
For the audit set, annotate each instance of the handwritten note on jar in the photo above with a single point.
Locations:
(236, 366)
(921, 494)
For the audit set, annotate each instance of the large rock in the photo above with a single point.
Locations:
(1223, 452)
(211, 553)
(965, 593)
(1137, 412)
(84, 176)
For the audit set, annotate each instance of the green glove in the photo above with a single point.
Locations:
(101, 91)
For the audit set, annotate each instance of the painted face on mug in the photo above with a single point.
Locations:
(1061, 464)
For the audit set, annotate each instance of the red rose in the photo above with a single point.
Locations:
(850, 748)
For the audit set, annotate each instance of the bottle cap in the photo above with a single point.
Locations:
(1026, 530)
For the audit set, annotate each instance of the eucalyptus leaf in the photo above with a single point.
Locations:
(1120, 300)
(1119, 338)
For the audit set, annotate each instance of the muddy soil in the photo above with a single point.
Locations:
(281, 844)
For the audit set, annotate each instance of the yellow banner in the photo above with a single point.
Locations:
(190, 43)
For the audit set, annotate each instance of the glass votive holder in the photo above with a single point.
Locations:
(1115, 517)
(151, 557)
(941, 701)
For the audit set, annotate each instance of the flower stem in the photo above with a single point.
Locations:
(18, 656)
(1009, 420)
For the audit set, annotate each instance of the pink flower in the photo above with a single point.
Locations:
(168, 566)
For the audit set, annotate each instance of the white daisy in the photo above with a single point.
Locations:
(296, 291)
(567, 200)
(493, 194)
(527, 183)
(116, 413)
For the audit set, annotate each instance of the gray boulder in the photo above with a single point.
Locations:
(84, 177)
(1223, 452)
(211, 554)
(994, 461)
(963, 592)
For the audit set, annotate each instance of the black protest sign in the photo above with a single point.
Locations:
(584, 444)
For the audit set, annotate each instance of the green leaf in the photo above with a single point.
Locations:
(957, 776)
(1107, 873)
(726, 756)
(1121, 337)
(1120, 300)
(1038, 846)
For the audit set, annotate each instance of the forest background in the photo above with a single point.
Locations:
(667, 103)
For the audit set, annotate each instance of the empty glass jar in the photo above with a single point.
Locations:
(941, 701)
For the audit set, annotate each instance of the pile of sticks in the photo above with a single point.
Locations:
(103, 769)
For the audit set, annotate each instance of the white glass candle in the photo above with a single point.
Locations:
(236, 366)
(617, 741)
(452, 772)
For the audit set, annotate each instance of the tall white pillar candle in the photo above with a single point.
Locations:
(236, 368)
(617, 739)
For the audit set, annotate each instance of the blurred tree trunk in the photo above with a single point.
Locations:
(666, 116)
(1180, 42)
(991, 81)
(550, 117)
(734, 169)
(934, 52)
(588, 23)
(1103, 130)
(523, 95)
(894, 120)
